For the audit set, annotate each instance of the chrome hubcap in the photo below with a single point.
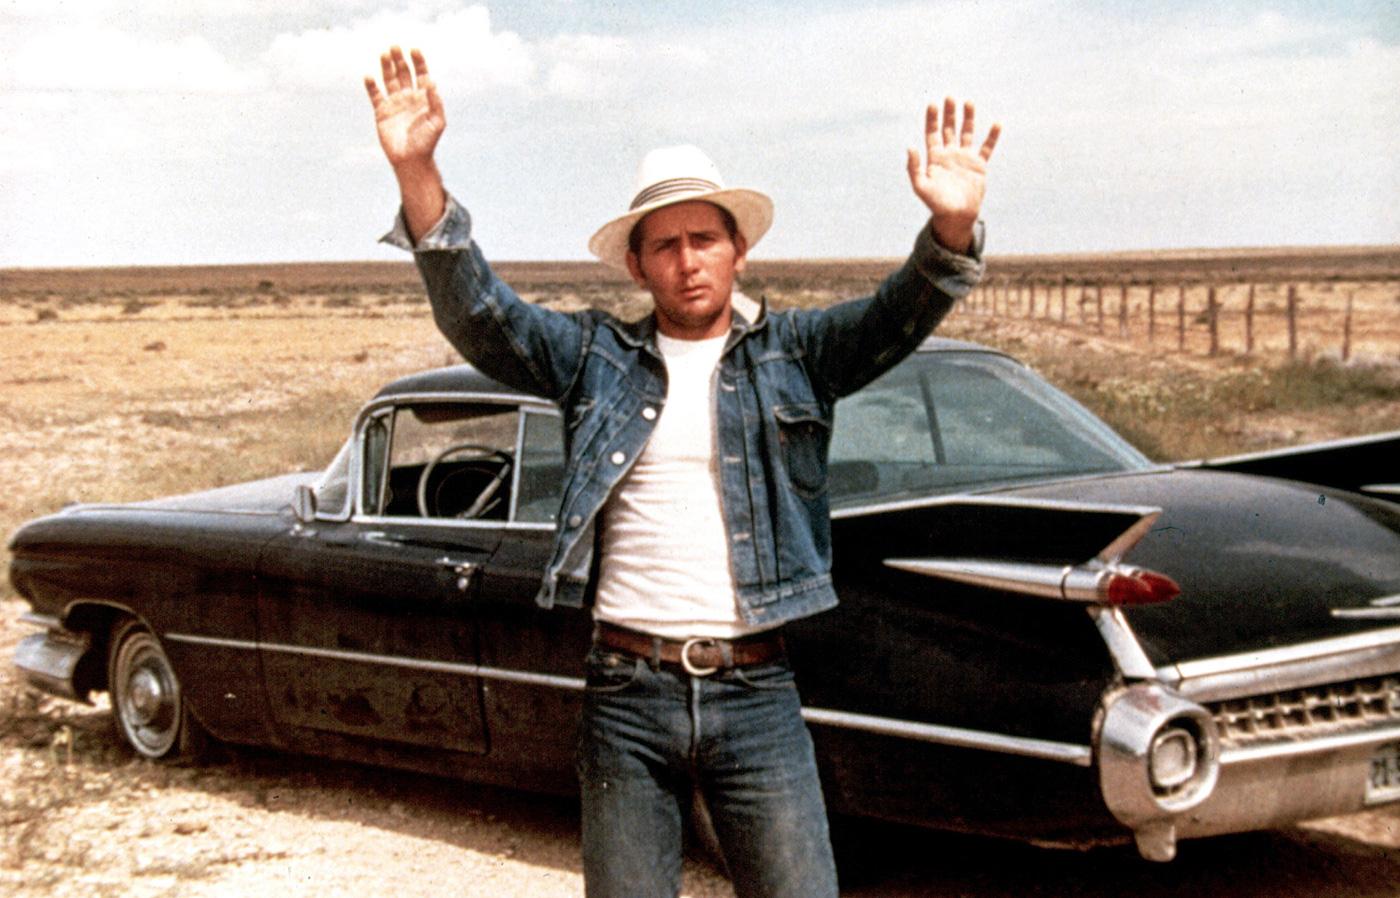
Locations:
(146, 694)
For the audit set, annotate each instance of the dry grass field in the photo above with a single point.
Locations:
(122, 384)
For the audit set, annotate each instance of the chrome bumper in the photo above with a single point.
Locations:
(49, 661)
(1281, 736)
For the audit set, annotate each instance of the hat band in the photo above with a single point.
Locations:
(664, 189)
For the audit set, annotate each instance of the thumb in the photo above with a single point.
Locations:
(914, 168)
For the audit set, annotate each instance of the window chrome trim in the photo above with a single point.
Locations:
(1043, 749)
(1273, 670)
(388, 404)
(462, 523)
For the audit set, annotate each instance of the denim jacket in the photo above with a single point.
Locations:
(777, 382)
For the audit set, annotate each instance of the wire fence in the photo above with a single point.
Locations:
(1296, 319)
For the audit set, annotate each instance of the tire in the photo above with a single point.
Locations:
(148, 707)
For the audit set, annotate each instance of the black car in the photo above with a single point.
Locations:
(1042, 633)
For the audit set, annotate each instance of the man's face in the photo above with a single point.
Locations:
(688, 261)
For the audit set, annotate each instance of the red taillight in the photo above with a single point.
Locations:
(1134, 586)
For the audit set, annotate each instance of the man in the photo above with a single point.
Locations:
(694, 513)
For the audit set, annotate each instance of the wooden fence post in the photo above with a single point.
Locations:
(1292, 322)
(1122, 311)
(1181, 317)
(1098, 302)
(1249, 322)
(1346, 330)
(1213, 320)
(1151, 311)
(1064, 298)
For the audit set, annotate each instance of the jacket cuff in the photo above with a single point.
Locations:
(953, 273)
(452, 232)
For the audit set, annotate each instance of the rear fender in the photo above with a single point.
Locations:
(1368, 464)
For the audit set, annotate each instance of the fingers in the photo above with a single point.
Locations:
(420, 64)
(398, 73)
(402, 72)
(931, 131)
(434, 101)
(372, 88)
(389, 72)
(990, 143)
(937, 138)
(915, 168)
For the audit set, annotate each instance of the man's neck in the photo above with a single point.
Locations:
(704, 330)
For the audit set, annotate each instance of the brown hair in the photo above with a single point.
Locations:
(634, 237)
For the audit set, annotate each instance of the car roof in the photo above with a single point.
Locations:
(465, 378)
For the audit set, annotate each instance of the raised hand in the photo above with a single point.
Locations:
(408, 116)
(953, 178)
(410, 119)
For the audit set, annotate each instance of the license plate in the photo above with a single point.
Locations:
(1384, 782)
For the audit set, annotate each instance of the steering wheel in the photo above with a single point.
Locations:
(483, 501)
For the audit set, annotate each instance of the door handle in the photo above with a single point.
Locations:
(464, 570)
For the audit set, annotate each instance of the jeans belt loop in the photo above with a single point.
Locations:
(690, 666)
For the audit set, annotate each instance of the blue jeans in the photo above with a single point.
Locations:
(650, 737)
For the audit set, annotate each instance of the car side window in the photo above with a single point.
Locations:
(445, 460)
(947, 420)
(541, 483)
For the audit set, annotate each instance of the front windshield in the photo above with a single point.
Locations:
(950, 421)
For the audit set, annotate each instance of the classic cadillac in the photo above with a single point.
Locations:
(1042, 634)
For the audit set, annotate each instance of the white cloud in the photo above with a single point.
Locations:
(1124, 129)
(98, 57)
(465, 55)
(585, 66)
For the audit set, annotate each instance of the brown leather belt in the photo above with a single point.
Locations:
(699, 656)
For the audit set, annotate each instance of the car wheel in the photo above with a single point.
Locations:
(147, 705)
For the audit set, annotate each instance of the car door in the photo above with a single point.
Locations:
(532, 656)
(367, 631)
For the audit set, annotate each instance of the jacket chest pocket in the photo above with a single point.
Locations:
(803, 435)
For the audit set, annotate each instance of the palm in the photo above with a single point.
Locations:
(408, 114)
(408, 126)
(951, 179)
(952, 182)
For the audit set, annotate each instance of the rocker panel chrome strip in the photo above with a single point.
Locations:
(1080, 755)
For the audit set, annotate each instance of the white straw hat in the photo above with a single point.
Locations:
(676, 175)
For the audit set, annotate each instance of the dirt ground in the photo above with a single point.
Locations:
(128, 395)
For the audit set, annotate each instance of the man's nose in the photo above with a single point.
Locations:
(689, 258)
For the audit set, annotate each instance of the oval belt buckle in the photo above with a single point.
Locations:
(688, 665)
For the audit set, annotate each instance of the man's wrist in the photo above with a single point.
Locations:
(423, 194)
(954, 234)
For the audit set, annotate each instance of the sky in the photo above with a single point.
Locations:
(229, 131)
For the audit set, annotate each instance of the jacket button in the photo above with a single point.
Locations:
(618, 458)
(575, 520)
(649, 413)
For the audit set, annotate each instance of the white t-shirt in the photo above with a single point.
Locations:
(665, 553)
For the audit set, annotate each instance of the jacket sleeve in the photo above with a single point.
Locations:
(849, 344)
(522, 345)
